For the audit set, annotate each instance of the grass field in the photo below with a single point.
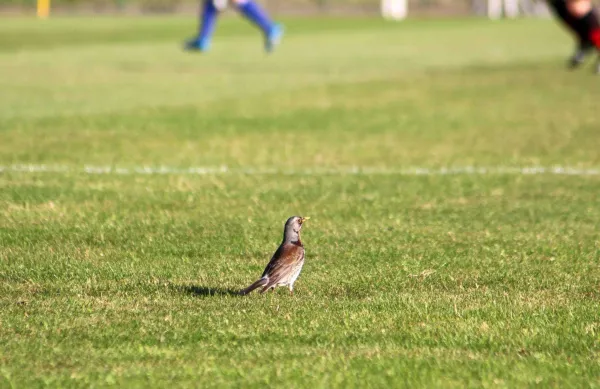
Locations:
(411, 280)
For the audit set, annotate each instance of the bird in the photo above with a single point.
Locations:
(285, 265)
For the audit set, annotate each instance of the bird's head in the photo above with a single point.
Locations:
(291, 232)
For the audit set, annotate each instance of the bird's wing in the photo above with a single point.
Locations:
(284, 260)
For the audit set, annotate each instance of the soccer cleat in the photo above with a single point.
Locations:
(197, 44)
(576, 60)
(273, 37)
(580, 55)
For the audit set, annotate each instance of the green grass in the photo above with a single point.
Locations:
(410, 281)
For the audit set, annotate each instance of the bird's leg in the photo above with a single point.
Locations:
(291, 291)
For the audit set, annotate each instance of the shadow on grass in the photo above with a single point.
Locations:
(207, 291)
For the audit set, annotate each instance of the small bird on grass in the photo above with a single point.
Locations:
(286, 264)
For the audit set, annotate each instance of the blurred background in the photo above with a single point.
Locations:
(394, 9)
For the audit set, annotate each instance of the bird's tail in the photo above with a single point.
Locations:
(257, 284)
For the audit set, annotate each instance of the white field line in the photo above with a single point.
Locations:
(220, 170)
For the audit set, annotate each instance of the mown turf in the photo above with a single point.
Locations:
(410, 281)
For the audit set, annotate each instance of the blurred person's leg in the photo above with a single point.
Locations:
(587, 21)
(584, 45)
(208, 20)
(252, 11)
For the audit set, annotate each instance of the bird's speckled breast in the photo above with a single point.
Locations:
(296, 269)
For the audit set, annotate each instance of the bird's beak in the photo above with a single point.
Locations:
(304, 219)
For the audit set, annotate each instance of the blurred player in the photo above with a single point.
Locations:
(581, 18)
(250, 9)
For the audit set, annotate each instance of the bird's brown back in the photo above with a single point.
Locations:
(286, 259)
